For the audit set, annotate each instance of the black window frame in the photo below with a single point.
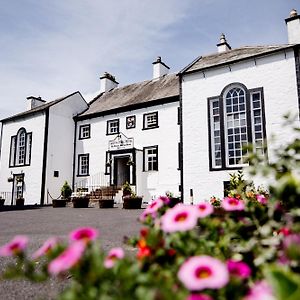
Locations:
(13, 150)
(133, 120)
(81, 128)
(249, 123)
(107, 126)
(145, 127)
(79, 174)
(146, 169)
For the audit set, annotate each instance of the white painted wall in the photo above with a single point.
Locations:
(275, 73)
(61, 143)
(149, 184)
(33, 173)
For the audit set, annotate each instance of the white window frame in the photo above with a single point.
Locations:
(113, 127)
(83, 164)
(150, 159)
(84, 131)
(150, 120)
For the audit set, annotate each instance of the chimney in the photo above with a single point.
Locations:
(223, 46)
(159, 68)
(293, 27)
(107, 82)
(33, 102)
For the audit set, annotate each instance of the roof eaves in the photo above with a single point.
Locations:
(239, 59)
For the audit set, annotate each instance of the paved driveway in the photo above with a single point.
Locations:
(40, 223)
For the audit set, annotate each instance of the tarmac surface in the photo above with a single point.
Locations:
(41, 223)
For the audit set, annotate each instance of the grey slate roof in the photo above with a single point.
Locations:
(38, 108)
(231, 56)
(142, 93)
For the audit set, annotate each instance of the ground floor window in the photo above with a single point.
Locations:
(150, 158)
(83, 165)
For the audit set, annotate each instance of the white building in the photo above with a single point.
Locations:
(131, 134)
(230, 99)
(36, 149)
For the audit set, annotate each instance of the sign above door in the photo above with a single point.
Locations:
(120, 142)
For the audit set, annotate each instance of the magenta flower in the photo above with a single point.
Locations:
(231, 204)
(179, 218)
(68, 259)
(154, 206)
(204, 209)
(16, 246)
(261, 199)
(203, 272)
(46, 247)
(199, 297)
(165, 199)
(85, 233)
(238, 269)
(113, 255)
(260, 291)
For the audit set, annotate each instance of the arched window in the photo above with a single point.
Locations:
(236, 119)
(20, 148)
(235, 126)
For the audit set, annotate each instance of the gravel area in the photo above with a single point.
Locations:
(40, 223)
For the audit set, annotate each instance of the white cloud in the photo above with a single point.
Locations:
(64, 46)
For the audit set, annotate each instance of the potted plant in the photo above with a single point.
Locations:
(20, 201)
(10, 179)
(2, 201)
(130, 199)
(80, 199)
(173, 200)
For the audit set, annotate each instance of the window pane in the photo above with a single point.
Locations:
(215, 133)
(236, 129)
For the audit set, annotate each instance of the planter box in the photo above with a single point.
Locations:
(59, 203)
(80, 202)
(20, 202)
(132, 203)
(174, 201)
(106, 203)
(2, 202)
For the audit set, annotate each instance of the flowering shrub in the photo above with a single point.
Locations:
(245, 246)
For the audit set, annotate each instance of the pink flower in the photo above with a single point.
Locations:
(46, 248)
(261, 199)
(165, 199)
(15, 246)
(179, 218)
(238, 269)
(145, 214)
(231, 204)
(204, 209)
(154, 206)
(260, 291)
(113, 255)
(85, 233)
(203, 272)
(199, 297)
(68, 259)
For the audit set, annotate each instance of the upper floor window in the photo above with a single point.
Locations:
(83, 165)
(151, 158)
(236, 119)
(130, 122)
(20, 149)
(150, 120)
(113, 127)
(84, 131)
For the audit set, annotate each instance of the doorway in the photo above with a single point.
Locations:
(121, 170)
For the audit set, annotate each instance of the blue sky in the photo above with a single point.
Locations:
(53, 48)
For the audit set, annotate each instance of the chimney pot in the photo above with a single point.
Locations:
(293, 27)
(107, 82)
(159, 68)
(223, 46)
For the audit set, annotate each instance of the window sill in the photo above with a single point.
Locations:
(112, 133)
(79, 175)
(150, 128)
(84, 138)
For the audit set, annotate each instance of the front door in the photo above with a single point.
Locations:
(121, 170)
(18, 187)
